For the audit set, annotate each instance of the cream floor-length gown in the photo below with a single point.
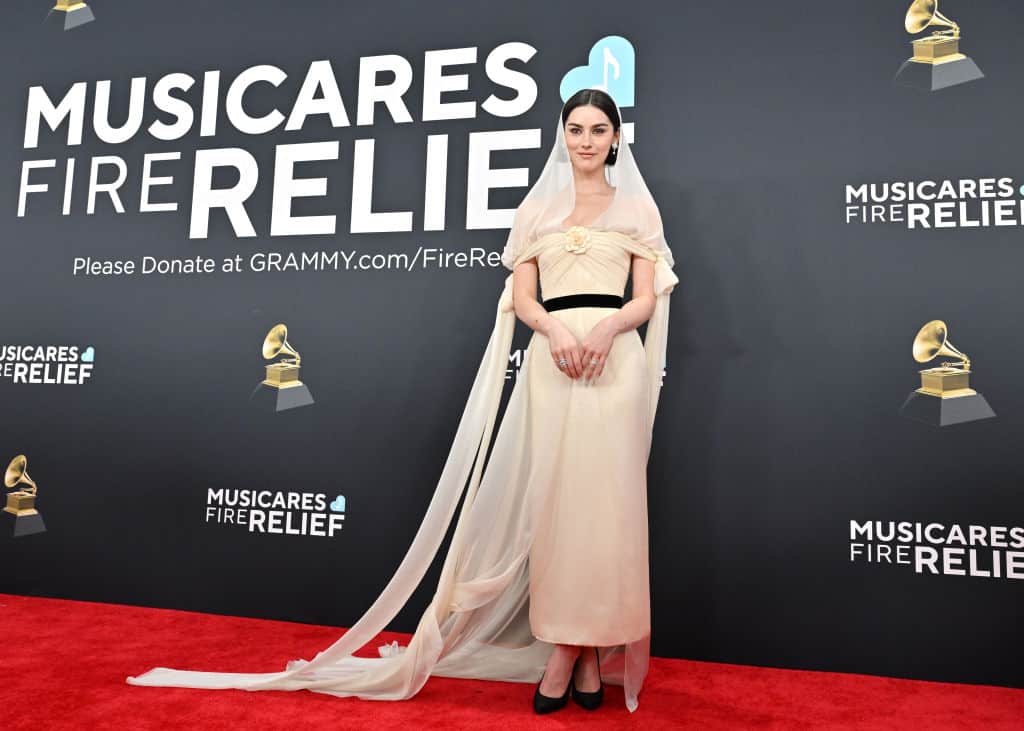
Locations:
(551, 540)
(588, 563)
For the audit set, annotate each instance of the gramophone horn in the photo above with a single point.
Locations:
(931, 341)
(16, 473)
(923, 13)
(276, 343)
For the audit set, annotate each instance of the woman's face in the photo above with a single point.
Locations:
(589, 136)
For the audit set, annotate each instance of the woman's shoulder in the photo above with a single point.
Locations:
(637, 204)
(527, 210)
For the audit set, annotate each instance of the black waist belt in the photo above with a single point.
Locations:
(582, 300)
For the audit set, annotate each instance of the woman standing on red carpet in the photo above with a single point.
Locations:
(547, 572)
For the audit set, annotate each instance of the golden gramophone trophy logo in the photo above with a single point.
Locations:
(945, 396)
(69, 14)
(937, 62)
(22, 502)
(281, 389)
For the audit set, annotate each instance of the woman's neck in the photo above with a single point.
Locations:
(590, 184)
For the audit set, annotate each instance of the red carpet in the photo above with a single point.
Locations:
(64, 665)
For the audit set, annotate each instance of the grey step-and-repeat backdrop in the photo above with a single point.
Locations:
(176, 179)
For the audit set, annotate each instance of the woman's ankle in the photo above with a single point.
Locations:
(589, 670)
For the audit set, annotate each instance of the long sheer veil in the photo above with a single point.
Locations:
(477, 624)
(553, 197)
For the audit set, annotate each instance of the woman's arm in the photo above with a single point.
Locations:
(640, 308)
(524, 299)
(633, 314)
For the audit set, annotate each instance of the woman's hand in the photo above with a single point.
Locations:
(563, 345)
(595, 348)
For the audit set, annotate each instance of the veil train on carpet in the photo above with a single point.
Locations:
(477, 624)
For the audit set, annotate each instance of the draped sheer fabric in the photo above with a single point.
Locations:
(477, 624)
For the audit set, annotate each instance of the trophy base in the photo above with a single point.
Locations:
(939, 411)
(26, 525)
(272, 398)
(939, 74)
(69, 19)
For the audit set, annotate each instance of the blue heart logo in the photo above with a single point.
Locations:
(611, 67)
(338, 506)
(88, 355)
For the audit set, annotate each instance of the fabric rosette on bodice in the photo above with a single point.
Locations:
(577, 240)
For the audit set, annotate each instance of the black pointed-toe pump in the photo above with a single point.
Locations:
(546, 704)
(589, 701)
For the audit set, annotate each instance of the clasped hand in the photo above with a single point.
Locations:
(582, 359)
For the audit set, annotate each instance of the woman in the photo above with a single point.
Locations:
(549, 553)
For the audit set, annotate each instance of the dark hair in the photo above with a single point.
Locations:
(601, 100)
